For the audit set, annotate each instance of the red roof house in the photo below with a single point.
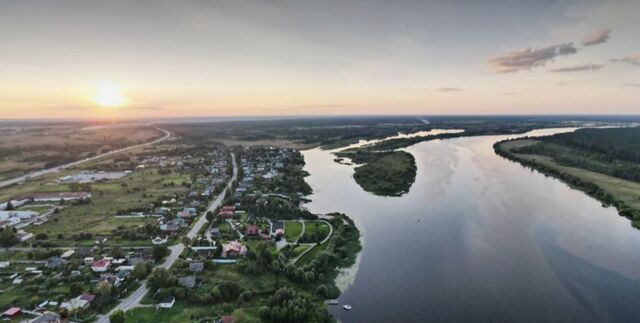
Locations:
(12, 312)
(252, 230)
(101, 265)
(225, 214)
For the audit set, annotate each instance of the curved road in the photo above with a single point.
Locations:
(134, 299)
(22, 178)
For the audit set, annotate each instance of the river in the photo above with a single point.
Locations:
(480, 239)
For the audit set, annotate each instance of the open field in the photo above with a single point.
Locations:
(34, 147)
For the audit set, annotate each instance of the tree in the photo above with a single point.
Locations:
(75, 289)
(9, 206)
(161, 278)
(117, 252)
(117, 317)
(8, 237)
(104, 292)
(140, 271)
(209, 216)
(159, 252)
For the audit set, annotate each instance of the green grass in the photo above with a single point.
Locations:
(311, 254)
(292, 230)
(317, 227)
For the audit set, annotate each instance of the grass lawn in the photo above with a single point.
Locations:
(311, 254)
(292, 230)
(317, 227)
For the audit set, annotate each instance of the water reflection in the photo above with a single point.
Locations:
(479, 238)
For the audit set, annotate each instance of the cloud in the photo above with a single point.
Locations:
(598, 37)
(528, 58)
(448, 89)
(510, 93)
(578, 68)
(633, 59)
(630, 85)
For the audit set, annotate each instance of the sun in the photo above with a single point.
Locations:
(109, 96)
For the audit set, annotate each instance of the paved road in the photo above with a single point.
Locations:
(22, 178)
(134, 299)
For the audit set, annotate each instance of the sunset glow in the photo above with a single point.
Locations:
(109, 96)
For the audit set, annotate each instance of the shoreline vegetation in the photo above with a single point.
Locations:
(389, 173)
(604, 163)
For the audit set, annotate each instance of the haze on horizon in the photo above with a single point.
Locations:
(227, 58)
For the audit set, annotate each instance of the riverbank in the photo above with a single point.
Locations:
(609, 190)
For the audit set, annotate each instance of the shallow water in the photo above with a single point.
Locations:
(480, 239)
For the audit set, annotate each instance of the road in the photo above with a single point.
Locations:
(134, 299)
(56, 169)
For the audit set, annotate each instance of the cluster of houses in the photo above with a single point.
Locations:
(263, 163)
(104, 269)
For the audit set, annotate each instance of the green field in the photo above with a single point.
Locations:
(292, 230)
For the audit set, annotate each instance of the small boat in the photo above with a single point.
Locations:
(346, 307)
(332, 302)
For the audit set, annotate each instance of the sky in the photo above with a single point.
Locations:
(131, 59)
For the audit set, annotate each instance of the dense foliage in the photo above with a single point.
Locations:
(614, 151)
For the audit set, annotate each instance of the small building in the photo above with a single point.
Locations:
(227, 319)
(12, 312)
(168, 302)
(187, 281)
(196, 267)
(159, 241)
(234, 249)
(67, 254)
(100, 266)
(225, 214)
(252, 230)
(215, 232)
(47, 317)
(54, 262)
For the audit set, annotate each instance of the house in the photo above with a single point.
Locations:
(226, 214)
(12, 312)
(215, 232)
(67, 254)
(81, 302)
(47, 317)
(191, 210)
(184, 214)
(168, 302)
(279, 232)
(196, 267)
(100, 266)
(234, 249)
(158, 240)
(187, 281)
(252, 230)
(231, 208)
(54, 262)
(171, 226)
(227, 319)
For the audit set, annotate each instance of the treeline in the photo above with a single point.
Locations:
(615, 151)
(576, 182)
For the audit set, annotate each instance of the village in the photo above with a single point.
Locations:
(196, 223)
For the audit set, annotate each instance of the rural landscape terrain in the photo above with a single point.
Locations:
(210, 223)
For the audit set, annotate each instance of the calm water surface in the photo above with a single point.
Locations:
(481, 239)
